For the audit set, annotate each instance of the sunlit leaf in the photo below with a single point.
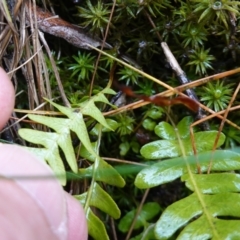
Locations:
(165, 131)
(203, 217)
(113, 125)
(104, 173)
(169, 170)
(214, 182)
(62, 135)
(100, 199)
(96, 227)
(171, 148)
(53, 159)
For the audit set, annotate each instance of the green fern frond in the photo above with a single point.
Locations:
(62, 135)
(61, 138)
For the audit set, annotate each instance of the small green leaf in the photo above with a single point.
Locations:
(90, 109)
(149, 211)
(108, 91)
(149, 124)
(165, 131)
(184, 127)
(147, 234)
(84, 153)
(135, 146)
(223, 228)
(77, 125)
(104, 173)
(171, 148)
(155, 112)
(96, 227)
(102, 200)
(124, 148)
(113, 125)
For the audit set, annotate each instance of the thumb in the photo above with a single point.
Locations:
(6, 98)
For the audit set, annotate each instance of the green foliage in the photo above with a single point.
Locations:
(106, 61)
(194, 216)
(62, 136)
(216, 95)
(96, 16)
(103, 201)
(147, 213)
(169, 147)
(127, 8)
(213, 218)
(125, 124)
(83, 66)
(128, 75)
(216, 10)
(171, 169)
(146, 87)
(124, 148)
(201, 60)
(204, 212)
(194, 36)
(98, 171)
(232, 137)
(201, 35)
(127, 145)
(154, 7)
(149, 124)
(155, 112)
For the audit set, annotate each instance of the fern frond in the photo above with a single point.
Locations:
(98, 171)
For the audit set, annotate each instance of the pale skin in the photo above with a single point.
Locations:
(32, 209)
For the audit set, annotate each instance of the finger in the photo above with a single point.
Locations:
(20, 216)
(47, 193)
(6, 98)
(18, 166)
(77, 226)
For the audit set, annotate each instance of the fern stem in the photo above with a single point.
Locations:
(95, 167)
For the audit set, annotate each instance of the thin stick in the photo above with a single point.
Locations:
(137, 213)
(222, 124)
(102, 46)
(181, 75)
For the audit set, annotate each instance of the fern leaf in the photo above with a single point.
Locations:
(104, 173)
(170, 148)
(96, 227)
(98, 171)
(62, 135)
(202, 214)
(214, 182)
(169, 170)
(76, 124)
(102, 200)
(212, 210)
(50, 153)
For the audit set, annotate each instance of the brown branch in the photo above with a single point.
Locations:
(56, 26)
(160, 100)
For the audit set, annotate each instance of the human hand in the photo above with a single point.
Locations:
(32, 208)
